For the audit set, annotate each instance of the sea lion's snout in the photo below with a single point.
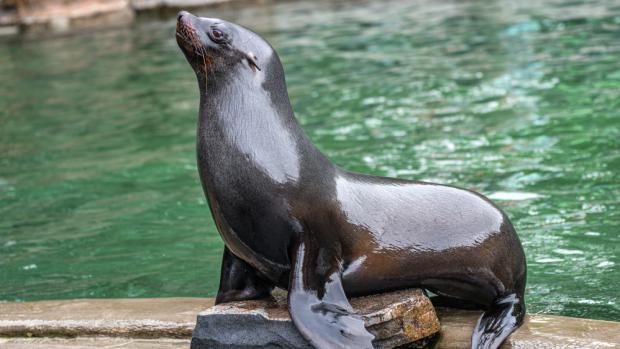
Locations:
(181, 14)
(192, 40)
(187, 34)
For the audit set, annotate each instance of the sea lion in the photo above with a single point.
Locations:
(291, 218)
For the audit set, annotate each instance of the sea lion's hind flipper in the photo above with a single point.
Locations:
(501, 319)
(318, 305)
(239, 281)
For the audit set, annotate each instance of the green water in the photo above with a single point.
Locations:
(99, 193)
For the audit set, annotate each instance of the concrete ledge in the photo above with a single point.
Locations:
(163, 323)
(92, 342)
(131, 318)
(538, 331)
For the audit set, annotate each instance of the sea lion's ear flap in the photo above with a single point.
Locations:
(252, 61)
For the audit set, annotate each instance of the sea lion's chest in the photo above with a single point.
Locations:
(268, 262)
(251, 216)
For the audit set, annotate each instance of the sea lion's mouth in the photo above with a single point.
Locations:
(187, 37)
(189, 41)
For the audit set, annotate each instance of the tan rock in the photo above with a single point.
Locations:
(395, 319)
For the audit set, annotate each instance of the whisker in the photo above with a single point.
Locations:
(188, 35)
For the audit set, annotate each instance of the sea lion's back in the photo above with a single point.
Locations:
(420, 215)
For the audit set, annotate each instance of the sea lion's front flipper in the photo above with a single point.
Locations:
(239, 281)
(317, 302)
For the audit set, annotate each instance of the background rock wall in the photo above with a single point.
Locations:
(63, 15)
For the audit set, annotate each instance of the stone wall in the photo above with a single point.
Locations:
(63, 15)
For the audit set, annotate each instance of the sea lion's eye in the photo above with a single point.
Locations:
(217, 35)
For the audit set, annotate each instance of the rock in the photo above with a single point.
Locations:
(395, 318)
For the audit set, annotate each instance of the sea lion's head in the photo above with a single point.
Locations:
(215, 46)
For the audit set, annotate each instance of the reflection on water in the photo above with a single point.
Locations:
(99, 195)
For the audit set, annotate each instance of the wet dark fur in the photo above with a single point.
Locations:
(291, 218)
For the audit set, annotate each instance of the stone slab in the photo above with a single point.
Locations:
(395, 318)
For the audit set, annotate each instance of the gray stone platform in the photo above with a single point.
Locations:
(395, 319)
(167, 323)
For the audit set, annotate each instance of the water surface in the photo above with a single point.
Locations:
(99, 193)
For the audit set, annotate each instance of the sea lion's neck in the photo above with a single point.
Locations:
(246, 117)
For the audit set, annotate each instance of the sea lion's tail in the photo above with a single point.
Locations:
(501, 319)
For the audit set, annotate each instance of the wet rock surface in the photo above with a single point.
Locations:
(398, 318)
(129, 318)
